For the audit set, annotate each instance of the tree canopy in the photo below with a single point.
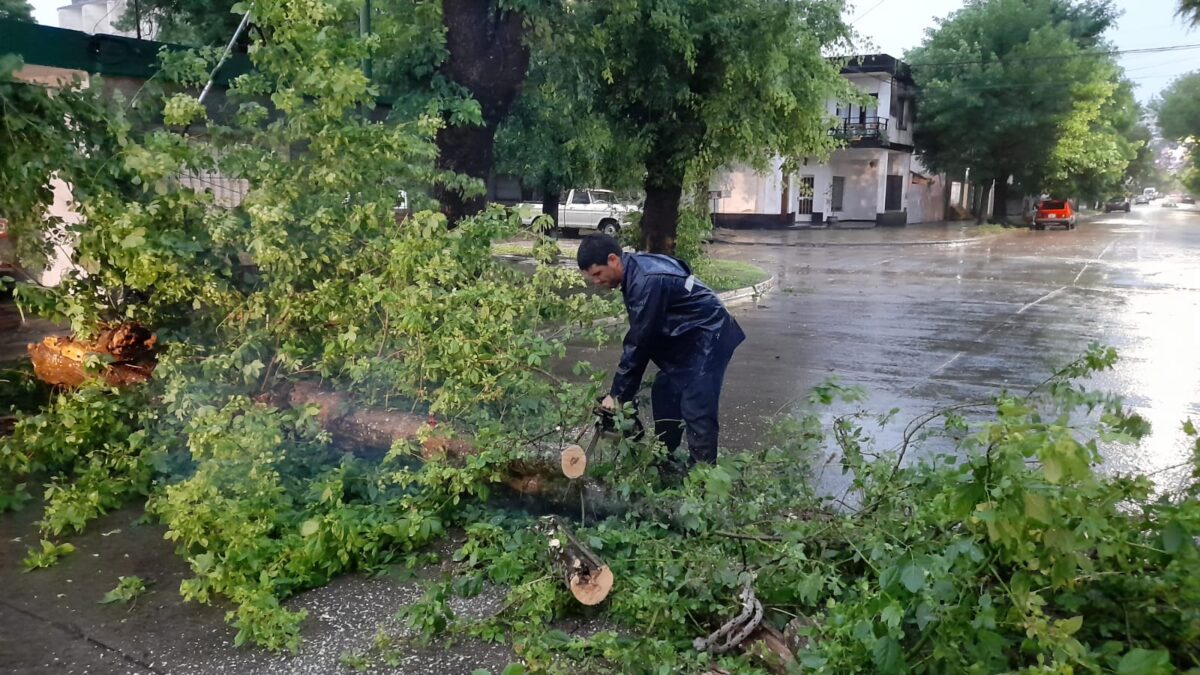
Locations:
(1179, 119)
(696, 84)
(20, 10)
(1020, 89)
(1179, 108)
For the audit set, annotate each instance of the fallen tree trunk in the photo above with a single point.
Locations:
(376, 429)
(129, 350)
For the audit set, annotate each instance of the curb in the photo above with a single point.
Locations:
(822, 244)
(749, 292)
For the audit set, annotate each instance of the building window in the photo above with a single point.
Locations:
(805, 205)
(902, 114)
(837, 194)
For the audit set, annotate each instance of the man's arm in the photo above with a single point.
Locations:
(646, 299)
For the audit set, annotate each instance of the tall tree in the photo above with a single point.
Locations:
(486, 60)
(1178, 111)
(19, 10)
(1002, 81)
(1178, 108)
(554, 140)
(1096, 143)
(467, 58)
(696, 84)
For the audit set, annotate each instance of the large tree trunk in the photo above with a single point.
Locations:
(551, 197)
(1000, 211)
(464, 150)
(488, 58)
(660, 216)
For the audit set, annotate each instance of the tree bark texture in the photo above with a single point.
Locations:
(62, 361)
(488, 58)
(660, 217)
(1000, 210)
(550, 201)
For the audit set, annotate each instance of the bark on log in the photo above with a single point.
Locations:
(585, 574)
(62, 361)
(376, 429)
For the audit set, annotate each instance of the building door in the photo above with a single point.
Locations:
(805, 206)
(837, 194)
(894, 193)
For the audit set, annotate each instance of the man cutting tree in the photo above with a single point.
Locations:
(679, 324)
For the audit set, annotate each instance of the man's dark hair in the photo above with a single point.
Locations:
(594, 250)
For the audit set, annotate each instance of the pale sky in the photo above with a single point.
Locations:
(896, 25)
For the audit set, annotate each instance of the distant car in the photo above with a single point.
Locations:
(1141, 199)
(1054, 212)
(1169, 203)
(1187, 199)
(1117, 204)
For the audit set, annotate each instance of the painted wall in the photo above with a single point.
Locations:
(745, 190)
(99, 16)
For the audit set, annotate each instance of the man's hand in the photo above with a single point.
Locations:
(609, 403)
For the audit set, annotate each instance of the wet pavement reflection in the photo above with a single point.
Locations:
(923, 326)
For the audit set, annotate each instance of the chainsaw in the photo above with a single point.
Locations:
(574, 458)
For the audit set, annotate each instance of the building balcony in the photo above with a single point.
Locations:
(863, 129)
(870, 132)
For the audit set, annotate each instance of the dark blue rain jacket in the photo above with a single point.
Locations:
(674, 321)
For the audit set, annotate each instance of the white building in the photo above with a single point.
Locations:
(872, 179)
(101, 16)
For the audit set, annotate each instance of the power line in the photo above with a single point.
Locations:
(872, 9)
(1065, 57)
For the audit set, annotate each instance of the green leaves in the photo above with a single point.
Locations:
(1061, 133)
(46, 555)
(1145, 662)
(128, 589)
(913, 578)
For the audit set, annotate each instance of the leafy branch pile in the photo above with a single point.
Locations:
(1010, 552)
(308, 277)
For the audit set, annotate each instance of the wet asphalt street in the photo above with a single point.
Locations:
(922, 326)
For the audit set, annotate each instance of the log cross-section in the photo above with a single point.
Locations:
(586, 575)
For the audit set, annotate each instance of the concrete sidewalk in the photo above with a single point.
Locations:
(944, 232)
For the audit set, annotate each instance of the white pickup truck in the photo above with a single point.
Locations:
(585, 210)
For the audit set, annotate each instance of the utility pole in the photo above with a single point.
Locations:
(137, 17)
(364, 29)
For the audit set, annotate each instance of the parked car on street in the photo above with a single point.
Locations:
(1187, 199)
(1169, 203)
(599, 210)
(1141, 199)
(1118, 204)
(1054, 212)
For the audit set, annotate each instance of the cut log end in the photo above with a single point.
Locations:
(574, 461)
(591, 587)
(61, 361)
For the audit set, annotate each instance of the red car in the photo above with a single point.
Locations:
(1054, 212)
